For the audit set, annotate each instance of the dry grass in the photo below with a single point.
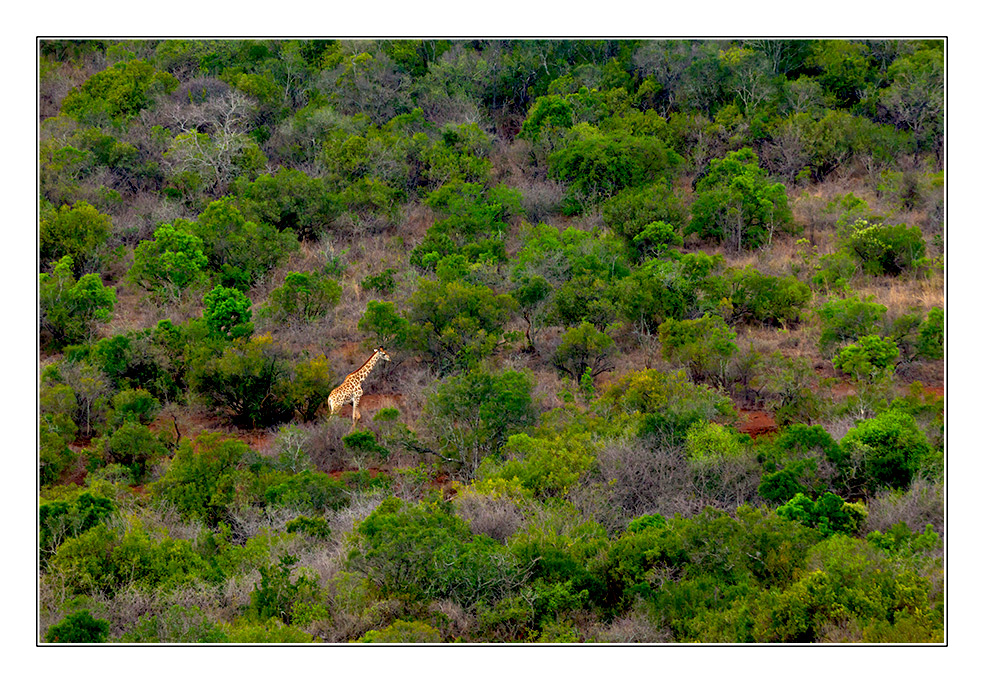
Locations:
(901, 295)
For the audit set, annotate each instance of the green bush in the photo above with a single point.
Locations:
(665, 288)
(287, 199)
(135, 405)
(891, 448)
(829, 514)
(200, 478)
(709, 442)
(799, 459)
(78, 231)
(387, 327)
(277, 594)
(239, 251)
(176, 624)
(422, 551)
(598, 165)
(930, 343)
(868, 360)
(655, 239)
(79, 627)
(134, 446)
(666, 404)
(546, 467)
(67, 518)
(847, 320)
(309, 526)
(383, 282)
(885, 249)
(762, 299)
(251, 379)
(312, 385)
(456, 324)
(632, 210)
(401, 631)
(703, 346)
(119, 92)
(71, 309)
(307, 490)
(303, 297)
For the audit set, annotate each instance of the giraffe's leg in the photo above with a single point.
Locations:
(356, 415)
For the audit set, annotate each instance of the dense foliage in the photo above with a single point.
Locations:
(664, 317)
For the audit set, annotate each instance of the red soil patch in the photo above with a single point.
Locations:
(257, 440)
(756, 423)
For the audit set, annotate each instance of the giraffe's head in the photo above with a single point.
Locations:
(382, 353)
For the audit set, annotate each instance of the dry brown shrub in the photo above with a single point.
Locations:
(452, 620)
(323, 443)
(919, 505)
(633, 478)
(495, 516)
(634, 627)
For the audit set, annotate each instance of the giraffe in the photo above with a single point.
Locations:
(351, 388)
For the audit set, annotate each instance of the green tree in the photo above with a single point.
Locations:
(666, 404)
(287, 199)
(78, 231)
(632, 210)
(844, 66)
(457, 324)
(546, 467)
(200, 478)
(227, 313)
(303, 297)
(655, 239)
(119, 92)
(313, 383)
(251, 379)
(533, 297)
(134, 446)
(174, 261)
(401, 631)
(708, 442)
(423, 551)
(71, 309)
(930, 344)
(277, 594)
(472, 414)
(135, 405)
(238, 250)
(738, 205)
(846, 320)
(388, 328)
(598, 165)
(584, 348)
(868, 360)
(914, 96)
(799, 459)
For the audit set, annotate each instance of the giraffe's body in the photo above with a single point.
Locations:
(351, 388)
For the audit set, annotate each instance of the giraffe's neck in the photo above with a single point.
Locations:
(363, 372)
